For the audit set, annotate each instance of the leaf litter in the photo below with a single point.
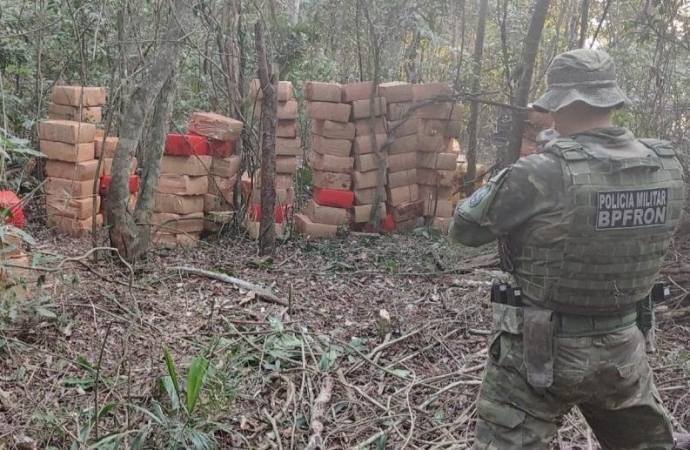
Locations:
(370, 346)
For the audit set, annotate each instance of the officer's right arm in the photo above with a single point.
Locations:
(531, 186)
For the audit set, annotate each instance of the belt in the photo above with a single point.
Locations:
(584, 325)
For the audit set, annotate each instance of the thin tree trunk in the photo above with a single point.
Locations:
(269, 123)
(529, 56)
(584, 22)
(152, 155)
(124, 234)
(474, 106)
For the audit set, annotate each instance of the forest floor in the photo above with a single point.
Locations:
(321, 368)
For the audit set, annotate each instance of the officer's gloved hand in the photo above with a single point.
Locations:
(682, 441)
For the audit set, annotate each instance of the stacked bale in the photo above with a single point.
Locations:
(330, 159)
(178, 217)
(221, 134)
(105, 151)
(437, 158)
(71, 165)
(403, 204)
(17, 278)
(370, 137)
(288, 150)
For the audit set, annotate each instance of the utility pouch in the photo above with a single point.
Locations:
(539, 343)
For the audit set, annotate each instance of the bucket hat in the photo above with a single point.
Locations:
(581, 75)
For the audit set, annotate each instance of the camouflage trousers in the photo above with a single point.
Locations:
(606, 376)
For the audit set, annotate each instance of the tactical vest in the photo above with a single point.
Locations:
(615, 228)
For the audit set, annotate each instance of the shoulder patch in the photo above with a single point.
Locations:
(478, 195)
(566, 148)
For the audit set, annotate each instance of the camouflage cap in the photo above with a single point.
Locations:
(581, 75)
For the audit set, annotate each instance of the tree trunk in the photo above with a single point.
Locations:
(293, 12)
(152, 155)
(234, 62)
(474, 106)
(529, 56)
(124, 234)
(584, 22)
(269, 123)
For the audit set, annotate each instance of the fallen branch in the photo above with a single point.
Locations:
(675, 314)
(318, 411)
(260, 292)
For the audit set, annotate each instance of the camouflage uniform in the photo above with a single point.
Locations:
(598, 360)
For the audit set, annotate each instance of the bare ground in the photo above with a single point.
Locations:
(323, 369)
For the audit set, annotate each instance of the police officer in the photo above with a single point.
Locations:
(583, 227)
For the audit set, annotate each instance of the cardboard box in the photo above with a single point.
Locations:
(429, 90)
(178, 204)
(181, 165)
(72, 207)
(330, 180)
(81, 171)
(401, 128)
(367, 162)
(64, 187)
(397, 91)
(73, 227)
(182, 184)
(403, 161)
(363, 144)
(363, 126)
(407, 211)
(286, 129)
(322, 92)
(67, 152)
(362, 213)
(214, 126)
(431, 193)
(334, 147)
(107, 166)
(330, 163)
(285, 91)
(78, 95)
(106, 147)
(221, 187)
(288, 110)
(438, 161)
(326, 214)
(438, 208)
(286, 164)
(104, 184)
(177, 223)
(364, 180)
(397, 111)
(404, 194)
(314, 230)
(220, 149)
(280, 213)
(445, 111)
(367, 196)
(214, 203)
(401, 178)
(337, 112)
(66, 131)
(435, 177)
(404, 144)
(333, 130)
(91, 114)
(445, 128)
(226, 167)
(288, 147)
(362, 108)
(357, 91)
(433, 144)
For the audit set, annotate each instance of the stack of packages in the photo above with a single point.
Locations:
(437, 158)
(221, 134)
(178, 217)
(535, 123)
(331, 160)
(365, 178)
(404, 206)
(105, 146)
(16, 276)
(288, 150)
(71, 166)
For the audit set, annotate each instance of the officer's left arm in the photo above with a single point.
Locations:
(531, 186)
